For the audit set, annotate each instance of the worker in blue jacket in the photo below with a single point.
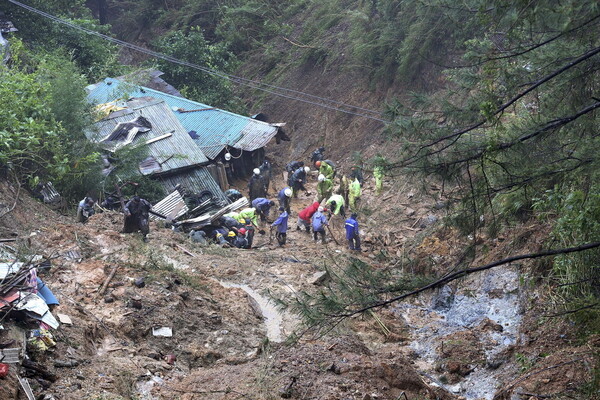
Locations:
(285, 198)
(282, 224)
(263, 207)
(352, 234)
(319, 222)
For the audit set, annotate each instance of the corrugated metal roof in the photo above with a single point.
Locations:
(215, 128)
(173, 153)
(255, 136)
(169, 205)
(195, 181)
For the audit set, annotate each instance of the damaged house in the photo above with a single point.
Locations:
(230, 141)
(173, 158)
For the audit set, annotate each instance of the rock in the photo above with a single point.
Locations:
(429, 220)
(135, 302)
(318, 277)
(439, 205)
(108, 299)
(139, 282)
(443, 299)
(334, 368)
(409, 211)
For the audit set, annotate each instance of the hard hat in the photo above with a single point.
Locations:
(318, 164)
(321, 209)
(306, 169)
(321, 178)
(288, 192)
(231, 234)
(227, 156)
(256, 171)
(242, 231)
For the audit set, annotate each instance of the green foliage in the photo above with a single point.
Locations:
(126, 161)
(94, 56)
(195, 84)
(30, 136)
(577, 220)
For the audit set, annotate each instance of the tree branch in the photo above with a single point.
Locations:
(417, 156)
(465, 272)
(554, 124)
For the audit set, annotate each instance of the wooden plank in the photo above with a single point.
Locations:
(161, 137)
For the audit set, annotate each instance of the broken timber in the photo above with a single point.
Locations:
(208, 219)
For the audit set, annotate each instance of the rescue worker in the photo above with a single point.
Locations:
(248, 214)
(136, 216)
(325, 169)
(354, 195)
(285, 198)
(85, 209)
(305, 215)
(324, 188)
(240, 240)
(250, 220)
(219, 234)
(317, 155)
(333, 166)
(356, 173)
(319, 222)
(336, 205)
(265, 172)
(352, 233)
(230, 220)
(263, 207)
(233, 195)
(256, 185)
(198, 237)
(293, 165)
(378, 174)
(298, 179)
(230, 237)
(344, 187)
(282, 224)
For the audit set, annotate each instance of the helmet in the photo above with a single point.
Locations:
(321, 178)
(231, 234)
(288, 192)
(256, 171)
(318, 164)
(227, 156)
(306, 169)
(321, 209)
(242, 231)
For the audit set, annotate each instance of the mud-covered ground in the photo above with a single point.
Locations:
(221, 346)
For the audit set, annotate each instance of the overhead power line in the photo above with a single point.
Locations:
(271, 89)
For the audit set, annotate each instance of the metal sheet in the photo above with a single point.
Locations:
(255, 136)
(172, 153)
(168, 205)
(195, 181)
(215, 128)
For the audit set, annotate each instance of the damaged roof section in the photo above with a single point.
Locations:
(214, 129)
(150, 121)
(198, 181)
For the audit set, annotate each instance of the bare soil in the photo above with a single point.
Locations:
(219, 340)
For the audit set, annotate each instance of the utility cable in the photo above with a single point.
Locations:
(233, 78)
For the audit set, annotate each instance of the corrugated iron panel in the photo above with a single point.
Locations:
(172, 153)
(167, 205)
(215, 128)
(255, 136)
(195, 181)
